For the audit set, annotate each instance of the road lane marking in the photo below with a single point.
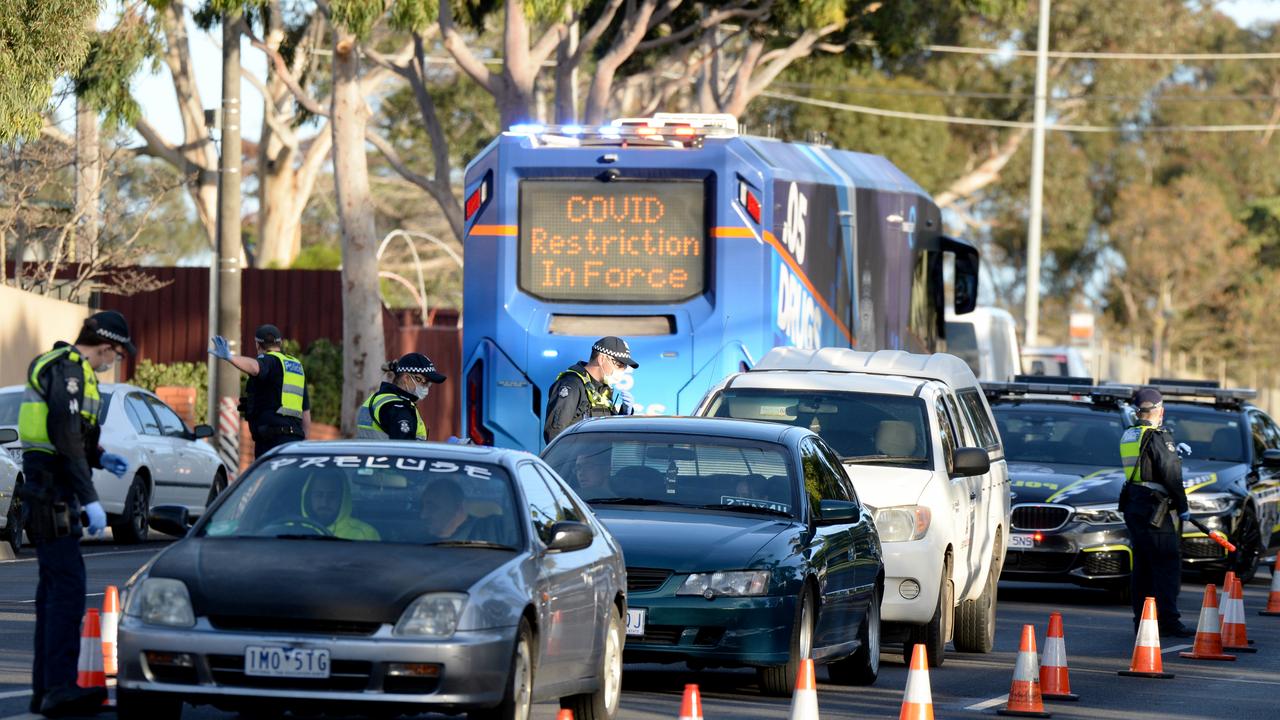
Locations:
(989, 703)
(1175, 648)
(88, 595)
(15, 694)
(87, 556)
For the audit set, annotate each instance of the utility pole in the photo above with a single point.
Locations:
(225, 383)
(1037, 179)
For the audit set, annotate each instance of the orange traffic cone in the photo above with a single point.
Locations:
(1208, 633)
(89, 668)
(1146, 647)
(691, 705)
(1235, 637)
(1024, 693)
(804, 704)
(1273, 600)
(1054, 683)
(110, 626)
(564, 715)
(917, 701)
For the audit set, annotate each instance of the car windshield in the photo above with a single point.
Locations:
(1211, 434)
(685, 470)
(1085, 437)
(868, 428)
(371, 498)
(10, 403)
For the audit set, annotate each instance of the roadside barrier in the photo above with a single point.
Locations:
(1147, 662)
(917, 700)
(1235, 636)
(1273, 599)
(1054, 681)
(1208, 644)
(89, 668)
(110, 629)
(1024, 693)
(691, 705)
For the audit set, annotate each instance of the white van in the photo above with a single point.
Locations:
(919, 442)
(1055, 362)
(986, 339)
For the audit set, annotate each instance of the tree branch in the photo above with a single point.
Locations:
(462, 54)
(282, 70)
(286, 134)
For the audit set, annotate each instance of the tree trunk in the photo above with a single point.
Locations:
(88, 184)
(363, 347)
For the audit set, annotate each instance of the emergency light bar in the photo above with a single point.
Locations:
(1057, 387)
(662, 130)
(1197, 389)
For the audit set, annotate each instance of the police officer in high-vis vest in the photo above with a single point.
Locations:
(277, 405)
(589, 389)
(58, 424)
(1154, 506)
(391, 413)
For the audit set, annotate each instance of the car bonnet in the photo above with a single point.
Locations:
(1034, 482)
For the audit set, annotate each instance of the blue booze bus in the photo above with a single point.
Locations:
(701, 247)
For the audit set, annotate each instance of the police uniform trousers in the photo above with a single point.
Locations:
(1157, 561)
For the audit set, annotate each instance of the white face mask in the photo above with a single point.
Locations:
(614, 377)
(421, 390)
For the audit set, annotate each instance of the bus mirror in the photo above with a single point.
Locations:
(966, 275)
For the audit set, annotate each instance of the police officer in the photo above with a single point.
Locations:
(391, 413)
(589, 389)
(58, 424)
(277, 405)
(1154, 504)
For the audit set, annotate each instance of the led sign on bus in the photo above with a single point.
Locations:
(589, 241)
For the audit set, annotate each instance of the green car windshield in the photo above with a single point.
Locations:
(371, 498)
(683, 470)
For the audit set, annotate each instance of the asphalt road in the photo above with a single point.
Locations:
(1099, 642)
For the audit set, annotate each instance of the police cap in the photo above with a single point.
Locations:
(418, 364)
(1147, 398)
(267, 334)
(111, 326)
(616, 348)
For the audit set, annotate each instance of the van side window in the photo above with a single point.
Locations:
(971, 401)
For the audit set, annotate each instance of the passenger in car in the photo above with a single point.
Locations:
(445, 511)
(326, 499)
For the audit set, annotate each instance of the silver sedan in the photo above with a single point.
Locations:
(385, 577)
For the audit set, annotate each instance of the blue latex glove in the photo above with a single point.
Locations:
(627, 406)
(114, 464)
(1185, 515)
(221, 349)
(455, 440)
(97, 518)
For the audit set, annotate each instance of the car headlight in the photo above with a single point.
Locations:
(1100, 514)
(161, 601)
(1211, 503)
(738, 583)
(432, 615)
(903, 523)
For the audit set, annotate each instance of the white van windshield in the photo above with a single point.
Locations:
(868, 428)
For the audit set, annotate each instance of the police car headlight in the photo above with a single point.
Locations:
(161, 601)
(1212, 503)
(904, 523)
(738, 583)
(1100, 514)
(432, 615)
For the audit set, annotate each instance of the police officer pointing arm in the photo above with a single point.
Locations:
(588, 389)
(58, 424)
(277, 406)
(1153, 503)
(391, 413)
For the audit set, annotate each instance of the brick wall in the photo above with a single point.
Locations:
(183, 402)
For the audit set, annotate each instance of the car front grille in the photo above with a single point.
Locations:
(1106, 562)
(661, 635)
(1018, 561)
(1202, 548)
(1040, 517)
(344, 676)
(305, 626)
(646, 579)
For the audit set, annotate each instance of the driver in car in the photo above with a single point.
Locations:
(326, 501)
(445, 515)
(592, 474)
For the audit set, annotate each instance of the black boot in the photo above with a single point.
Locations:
(34, 706)
(70, 701)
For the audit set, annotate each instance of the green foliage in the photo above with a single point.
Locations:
(40, 40)
(323, 365)
(357, 16)
(318, 257)
(151, 375)
(414, 15)
(115, 56)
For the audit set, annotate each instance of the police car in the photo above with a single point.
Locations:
(1231, 472)
(1062, 442)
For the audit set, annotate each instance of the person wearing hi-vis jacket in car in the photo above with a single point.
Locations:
(590, 389)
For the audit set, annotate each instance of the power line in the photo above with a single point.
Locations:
(1016, 124)
(1086, 55)
(866, 90)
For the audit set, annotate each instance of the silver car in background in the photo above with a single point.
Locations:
(359, 577)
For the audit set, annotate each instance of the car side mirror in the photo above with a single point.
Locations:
(568, 536)
(835, 512)
(171, 520)
(8, 435)
(1271, 459)
(202, 431)
(969, 462)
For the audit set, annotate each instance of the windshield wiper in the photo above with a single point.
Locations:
(300, 536)
(470, 543)
(630, 501)
(882, 459)
(744, 509)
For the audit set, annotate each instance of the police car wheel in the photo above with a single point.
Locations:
(1249, 553)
